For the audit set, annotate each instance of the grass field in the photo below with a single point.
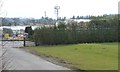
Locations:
(94, 56)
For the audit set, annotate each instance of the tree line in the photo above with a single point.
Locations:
(99, 29)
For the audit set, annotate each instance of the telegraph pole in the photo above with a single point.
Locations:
(45, 18)
(57, 11)
(45, 14)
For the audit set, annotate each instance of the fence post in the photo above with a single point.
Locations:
(24, 41)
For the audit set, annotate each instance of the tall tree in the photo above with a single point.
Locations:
(73, 17)
(29, 31)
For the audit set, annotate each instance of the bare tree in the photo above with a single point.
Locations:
(3, 51)
(0, 58)
(1, 5)
(6, 59)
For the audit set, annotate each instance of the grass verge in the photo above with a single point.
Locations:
(94, 56)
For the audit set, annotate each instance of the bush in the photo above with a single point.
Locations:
(97, 30)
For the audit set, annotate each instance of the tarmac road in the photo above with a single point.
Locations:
(17, 59)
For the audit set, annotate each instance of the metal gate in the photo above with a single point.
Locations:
(8, 43)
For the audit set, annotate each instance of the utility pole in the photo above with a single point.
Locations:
(57, 11)
(45, 18)
(45, 14)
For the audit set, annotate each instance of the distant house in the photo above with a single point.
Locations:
(77, 20)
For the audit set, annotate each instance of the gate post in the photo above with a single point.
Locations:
(24, 41)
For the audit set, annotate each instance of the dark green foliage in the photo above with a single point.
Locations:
(101, 29)
(119, 27)
(29, 31)
(61, 26)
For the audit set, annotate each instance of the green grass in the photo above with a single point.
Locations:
(94, 56)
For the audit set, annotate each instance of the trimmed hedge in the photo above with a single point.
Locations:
(70, 34)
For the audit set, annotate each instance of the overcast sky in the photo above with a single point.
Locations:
(68, 8)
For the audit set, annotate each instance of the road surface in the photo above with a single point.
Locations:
(17, 59)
